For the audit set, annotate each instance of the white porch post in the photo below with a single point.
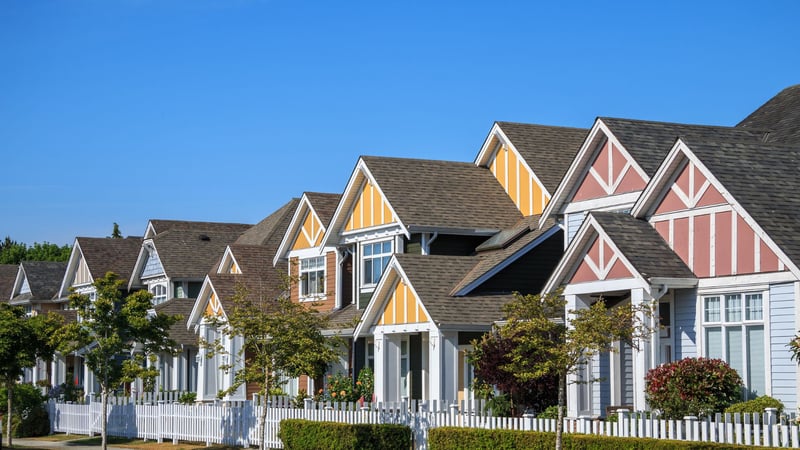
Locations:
(642, 356)
(449, 368)
(435, 344)
(573, 389)
(380, 367)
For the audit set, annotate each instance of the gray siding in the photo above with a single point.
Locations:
(626, 357)
(601, 388)
(685, 327)
(573, 221)
(782, 330)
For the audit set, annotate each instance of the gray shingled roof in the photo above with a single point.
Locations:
(642, 246)
(162, 225)
(324, 205)
(780, 115)
(649, 142)
(344, 318)
(265, 286)
(548, 150)
(763, 179)
(69, 315)
(191, 253)
(8, 274)
(434, 194)
(491, 255)
(103, 255)
(434, 276)
(178, 331)
(270, 230)
(44, 278)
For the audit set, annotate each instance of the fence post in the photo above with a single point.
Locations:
(160, 419)
(690, 421)
(622, 422)
(585, 424)
(527, 422)
(308, 403)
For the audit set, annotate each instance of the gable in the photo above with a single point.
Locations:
(600, 262)
(82, 274)
(518, 181)
(213, 307)
(26, 287)
(612, 172)
(403, 307)
(370, 210)
(690, 189)
(310, 234)
(152, 266)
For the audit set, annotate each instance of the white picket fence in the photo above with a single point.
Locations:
(237, 423)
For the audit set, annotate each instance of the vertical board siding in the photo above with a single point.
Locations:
(685, 327)
(573, 221)
(782, 330)
(509, 169)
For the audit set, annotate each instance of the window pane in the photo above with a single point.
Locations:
(733, 308)
(755, 310)
(756, 382)
(368, 271)
(712, 309)
(368, 250)
(714, 342)
(733, 347)
(387, 247)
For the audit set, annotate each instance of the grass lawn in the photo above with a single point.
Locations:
(138, 444)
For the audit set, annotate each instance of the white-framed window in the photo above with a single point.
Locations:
(375, 257)
(159, 292)
(312, 277)
(733, 330)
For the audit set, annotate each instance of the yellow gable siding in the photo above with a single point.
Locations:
(518, 182)
(370, 210)
(310, 234)
(403, 307)
(235, 269)
(213, 308)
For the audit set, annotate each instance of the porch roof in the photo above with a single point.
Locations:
(178, 331)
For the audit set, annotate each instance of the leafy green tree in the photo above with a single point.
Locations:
(280, 337)
(22, 341)
(116, 234)
(13, 252)
(538, 325)
(111, 328)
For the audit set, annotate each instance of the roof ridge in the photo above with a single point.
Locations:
(539, 125)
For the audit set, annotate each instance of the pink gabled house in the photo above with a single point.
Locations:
(700, 220)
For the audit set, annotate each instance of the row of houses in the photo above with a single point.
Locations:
(416, 258)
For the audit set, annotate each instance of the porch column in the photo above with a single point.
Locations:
(380, 366)
(435, 344)
(642, 356)
(573, 388)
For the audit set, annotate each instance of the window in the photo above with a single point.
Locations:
(404, 369)
(312, 277)
(733, 327)
(159, 292)
(375, 258)
(371, 355)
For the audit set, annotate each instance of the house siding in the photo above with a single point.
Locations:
(573, 221)
(601, 392)
(685, 307)
(528, 274)
(782, 329)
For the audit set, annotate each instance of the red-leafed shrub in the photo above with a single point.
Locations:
(693, 387)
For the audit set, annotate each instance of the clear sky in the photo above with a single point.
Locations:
(221, 110)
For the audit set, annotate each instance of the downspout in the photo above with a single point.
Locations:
(660, 292)
(426, 249)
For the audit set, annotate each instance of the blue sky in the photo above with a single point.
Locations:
(222, 110)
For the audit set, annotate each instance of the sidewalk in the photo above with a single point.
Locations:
(71, 445)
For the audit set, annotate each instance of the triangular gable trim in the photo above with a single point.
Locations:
(360, 176)
(18, 281)
(304, 208)
(158, 268)
(228, 261)
(201, 305)
(665, 176)
(393, 276)
(75, 259)
(578, 169)
(589, 232)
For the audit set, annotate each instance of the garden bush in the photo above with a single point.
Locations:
(29, 414)
(451, 438)
(692, 387)
(757, 405)
(298, 434)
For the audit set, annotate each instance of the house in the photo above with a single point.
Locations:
(244, 268)
(89, 260)
(700, 221)
(403, 224)
(34, 289)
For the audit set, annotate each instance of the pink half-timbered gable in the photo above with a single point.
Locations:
(611, 173)
(707, 231)
(601, 262)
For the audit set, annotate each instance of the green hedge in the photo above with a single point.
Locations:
(449, 438)
(299, 434)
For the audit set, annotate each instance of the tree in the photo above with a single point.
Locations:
(280, 337)
(110, 329)
(22, 341)
(491, 357)
(116, 234)
(538, 325)
(13, 252)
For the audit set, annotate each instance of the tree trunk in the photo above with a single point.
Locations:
(262, 419)
(562, 402)
(104, 419)
(10, 389)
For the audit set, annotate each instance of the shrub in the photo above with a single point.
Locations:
(551, 412)
(340, 388)
(757, 405)
(299, 434)
(29, 414)
(692, 387)
(187, 398)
